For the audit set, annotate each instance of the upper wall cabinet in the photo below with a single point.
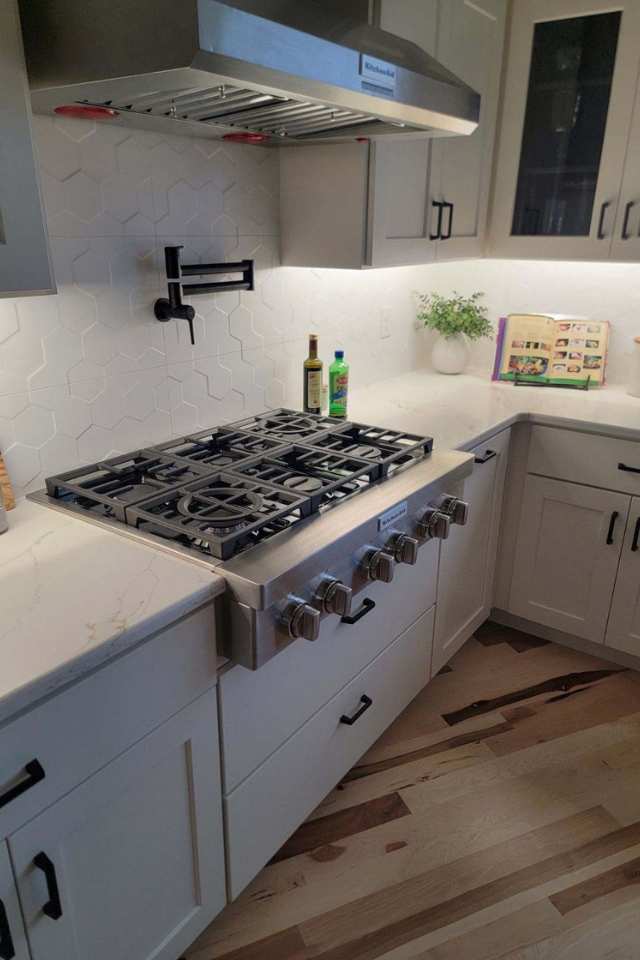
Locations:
(24, 254)
(561, 186)
(429, 197)
(405, 200)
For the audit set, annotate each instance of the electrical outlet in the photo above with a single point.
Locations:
(385, 322)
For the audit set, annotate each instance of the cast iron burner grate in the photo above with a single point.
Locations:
(320, 475)
(219, 514)
(219, 448)
(290, 426)
(389, 449)
(109, 487)
(220, 491)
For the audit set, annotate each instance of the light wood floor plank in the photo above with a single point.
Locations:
(499, 816)
(403, 910)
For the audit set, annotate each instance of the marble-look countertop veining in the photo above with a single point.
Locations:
(460, 411)
(73, 595)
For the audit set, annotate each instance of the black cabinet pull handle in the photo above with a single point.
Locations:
(603, 209)
(34, 773)
(365, 703)
(7, 950)
(53, 907)
(636, 536)
(439, 204)
(625, 223)
(612, 526)
(486, 456)
(365, 607)
(627, 469)
(449, 207)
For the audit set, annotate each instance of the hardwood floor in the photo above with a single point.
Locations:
(499, 817)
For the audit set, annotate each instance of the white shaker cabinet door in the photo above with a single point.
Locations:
(569, 542)
(130, 864)
(13, 943)
(468, 556)
(470, 44)
(402, 218)
(569, 91)
(24, 250)
(626, 232)
(623, 630)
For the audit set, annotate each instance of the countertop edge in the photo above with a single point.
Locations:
(31, 694)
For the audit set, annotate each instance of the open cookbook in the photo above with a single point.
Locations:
(557, 351)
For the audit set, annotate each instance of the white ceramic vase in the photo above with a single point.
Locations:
(450, 354)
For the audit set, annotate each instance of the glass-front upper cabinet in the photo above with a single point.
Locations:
(568, 103)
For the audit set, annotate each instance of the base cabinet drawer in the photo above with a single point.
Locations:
(265, 810)
(130, 864)
(46, 752)
(261, 709)
(585, 458)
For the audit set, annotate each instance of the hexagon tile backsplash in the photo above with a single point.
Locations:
(90, 372)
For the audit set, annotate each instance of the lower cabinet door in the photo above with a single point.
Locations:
(569, 542)
(13, 943)
(270, 804)
(623, 631)
(468, 556)
(130, 864)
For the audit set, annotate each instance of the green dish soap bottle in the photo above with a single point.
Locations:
(338, 386)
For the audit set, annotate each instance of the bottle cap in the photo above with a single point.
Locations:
(339, 354)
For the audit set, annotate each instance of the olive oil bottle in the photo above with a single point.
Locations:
(312, 375)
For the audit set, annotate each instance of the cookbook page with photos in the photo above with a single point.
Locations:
(527, 344)
(579, 351)
(545, 349)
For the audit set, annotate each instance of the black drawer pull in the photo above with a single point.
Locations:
(53, 907)
(612, 526)
(627, 469)
(7, 950)
(34, 773)
(439, 204)
(636, 536)
(488, 455)
(365, 703)
(365, 607)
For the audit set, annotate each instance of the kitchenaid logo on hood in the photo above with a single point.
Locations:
(377, 72)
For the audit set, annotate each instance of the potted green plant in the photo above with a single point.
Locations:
(457, 320)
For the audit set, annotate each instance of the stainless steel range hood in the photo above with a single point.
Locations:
(293, 70)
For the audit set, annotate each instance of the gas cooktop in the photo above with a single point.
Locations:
(221, 491)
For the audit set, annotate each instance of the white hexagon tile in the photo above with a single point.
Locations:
(90, 372)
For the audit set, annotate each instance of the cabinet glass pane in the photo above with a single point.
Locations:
(567, 103)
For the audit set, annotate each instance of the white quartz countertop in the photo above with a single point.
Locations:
(73, 595)
(460, 411)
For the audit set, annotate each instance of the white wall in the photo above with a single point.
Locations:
(601, 291)
(90, 372)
